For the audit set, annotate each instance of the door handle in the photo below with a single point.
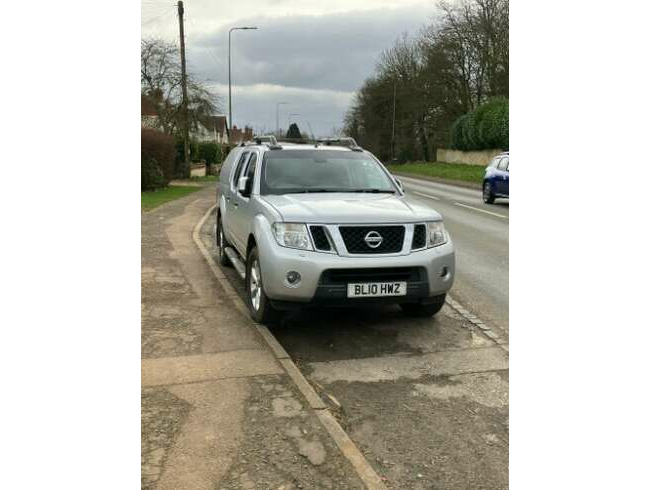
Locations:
(236, 204)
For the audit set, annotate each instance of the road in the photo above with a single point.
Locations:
(480, 235)
(426, 400)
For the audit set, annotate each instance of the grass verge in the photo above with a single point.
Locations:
(153, 199)
(449, 171)
(207, 178)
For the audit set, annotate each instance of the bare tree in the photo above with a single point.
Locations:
(455, 65)
(160, 81)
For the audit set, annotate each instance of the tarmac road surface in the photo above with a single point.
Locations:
(480, 235)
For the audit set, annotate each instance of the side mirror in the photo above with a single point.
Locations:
(241, 185)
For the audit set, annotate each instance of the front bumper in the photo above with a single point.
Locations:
(437, 266)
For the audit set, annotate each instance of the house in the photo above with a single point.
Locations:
(213, 128)
(148, 114)
(237, 135)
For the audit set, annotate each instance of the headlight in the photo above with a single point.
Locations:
(292, 235)
(437, 234)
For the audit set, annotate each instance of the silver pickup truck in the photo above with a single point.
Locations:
(321, 224)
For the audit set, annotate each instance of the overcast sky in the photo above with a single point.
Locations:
(312, 54)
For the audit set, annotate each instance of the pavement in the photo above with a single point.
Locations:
(425, 401)
(219, 411)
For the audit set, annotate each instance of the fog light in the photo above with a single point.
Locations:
(293, 278)
(444, 271)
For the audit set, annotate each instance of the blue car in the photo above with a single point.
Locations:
(496, 182)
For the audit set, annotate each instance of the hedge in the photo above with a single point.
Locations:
(156, 152)
(210, 152)
(485, 128)
(151, 177)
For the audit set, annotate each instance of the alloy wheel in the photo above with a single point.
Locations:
(255, 285)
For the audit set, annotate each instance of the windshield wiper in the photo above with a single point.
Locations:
(373, 191)
(305, 191)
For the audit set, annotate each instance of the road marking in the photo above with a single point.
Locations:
(426, 195)
(481, 210)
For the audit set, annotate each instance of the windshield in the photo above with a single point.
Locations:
(298, 171)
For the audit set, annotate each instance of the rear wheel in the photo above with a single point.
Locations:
(221, 244)
(488, 194)
(420, 310)
(258, 303)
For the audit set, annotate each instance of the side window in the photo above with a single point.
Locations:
(238, 170)
(508, 164)
(250, 173)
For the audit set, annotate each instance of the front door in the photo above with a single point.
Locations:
(501, 181)
(232, 204)
(243, 215)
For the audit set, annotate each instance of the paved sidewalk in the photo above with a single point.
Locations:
(218, 410)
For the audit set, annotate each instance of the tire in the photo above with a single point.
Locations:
(221, 243)
(258, 303)
(422, 310)
(488, 195)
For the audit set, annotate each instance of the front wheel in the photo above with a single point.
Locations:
(421, 310)
(258, 303)
(221, 244)
(488, 194)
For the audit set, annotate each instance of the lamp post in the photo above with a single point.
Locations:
(277, 117)
(392, 139)
(246, 28)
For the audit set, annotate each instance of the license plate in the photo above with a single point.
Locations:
(376, 289)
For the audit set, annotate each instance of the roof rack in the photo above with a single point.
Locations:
(345, 141)
(267, 139)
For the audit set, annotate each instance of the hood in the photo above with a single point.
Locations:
(337, 208)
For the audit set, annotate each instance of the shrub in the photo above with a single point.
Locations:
(158, 147)
(456, 134)
(210, 152)
(151, 176)
(179, 168)
(485, 128)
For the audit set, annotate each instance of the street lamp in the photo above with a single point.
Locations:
(277, 116)
(229, 82)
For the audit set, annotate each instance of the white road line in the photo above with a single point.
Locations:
(426, 195)
(481, 210)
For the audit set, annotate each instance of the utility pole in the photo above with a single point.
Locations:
(392, 141)
(186, 119)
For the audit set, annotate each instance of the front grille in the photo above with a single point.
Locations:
(419, 237)
(320, 238)
(379, 274)
(354, 239)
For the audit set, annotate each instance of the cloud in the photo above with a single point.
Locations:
(256, 105)
(314, 54)
(335, 52)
